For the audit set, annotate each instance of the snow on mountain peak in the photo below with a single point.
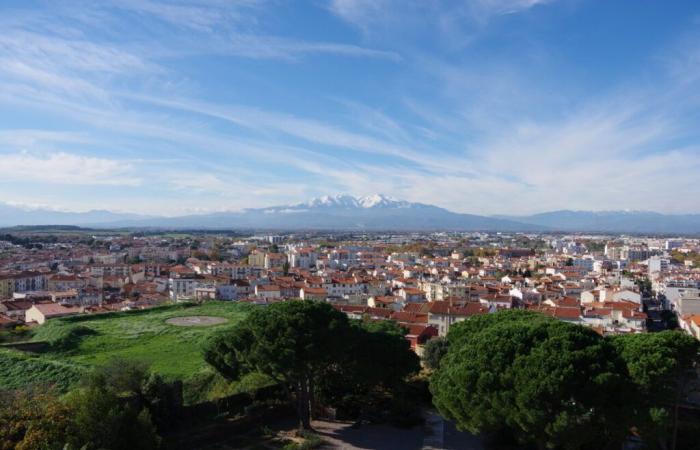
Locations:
(348, 201)
(371, 201)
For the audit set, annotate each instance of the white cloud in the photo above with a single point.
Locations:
(441, 15)
(66, 168)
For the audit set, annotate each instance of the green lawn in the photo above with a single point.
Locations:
(173, 351)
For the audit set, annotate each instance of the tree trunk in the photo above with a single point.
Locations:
(680, 388)
(303, 404)
(312, 398)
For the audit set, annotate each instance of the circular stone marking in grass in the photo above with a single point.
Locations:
(196, 321)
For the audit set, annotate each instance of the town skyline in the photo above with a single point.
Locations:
(510, 107)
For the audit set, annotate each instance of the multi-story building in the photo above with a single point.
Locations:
(303, 257)
(7, 286)
(29, 281)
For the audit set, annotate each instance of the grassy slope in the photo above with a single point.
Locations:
(18, 370)
(173, 351)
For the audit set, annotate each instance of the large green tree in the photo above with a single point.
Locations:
(314, 352)
(662, 366)
(376, 362)
(291, 342)
(553, 384)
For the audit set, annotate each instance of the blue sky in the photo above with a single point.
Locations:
(481, 106)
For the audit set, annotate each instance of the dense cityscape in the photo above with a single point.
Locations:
(349, 224)
(614, 284)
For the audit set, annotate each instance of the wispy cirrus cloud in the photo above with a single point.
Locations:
(66, 168)
(218, 105)
(445, 15)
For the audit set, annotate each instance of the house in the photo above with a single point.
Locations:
(60, 282)
(691, 324)
(15, 309)
(442, 315)
(7, 322)
(313, 293)
(410, 317)
(418, 335)
(182, 282)
(615, 317)
(411, 295)
(303, 257)
(7, 286)
(267, 291)
(41, 312)
(352, 311)
(627, 295)
(385, 301)
(274, 260)
(496, 301)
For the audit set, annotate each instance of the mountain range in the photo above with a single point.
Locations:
(374, 212)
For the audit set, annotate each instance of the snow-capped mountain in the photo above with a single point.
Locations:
(372, 212)
(346, 202)
(339, 212)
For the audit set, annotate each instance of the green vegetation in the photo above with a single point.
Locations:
(556, 385)
(433, 352)
(18, 369)
(680, 257)
(314, 351)
(121, 406)
(173, 351)
(310, 442)
(80, 342)
(662, 367)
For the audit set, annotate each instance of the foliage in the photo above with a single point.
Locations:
(670, 319)
(311, 441)
(433, 352)
(554, 384)
(102, 417)
(461, 331)
(377, 360)
(661, 365)
(33, 419)
(291, 342)
(644, 285)
(680, 257)
(111, 410)
(15, 334)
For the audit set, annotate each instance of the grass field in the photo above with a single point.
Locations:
(93, 340)
(18, 370)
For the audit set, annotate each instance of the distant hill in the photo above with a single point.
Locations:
(342, 212)
(13, 215)
(372, 213)
(613, 221)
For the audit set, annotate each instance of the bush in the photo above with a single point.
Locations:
(433, 352)
(310, 442)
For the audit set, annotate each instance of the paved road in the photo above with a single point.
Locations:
(435, 435)
(341, 435)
